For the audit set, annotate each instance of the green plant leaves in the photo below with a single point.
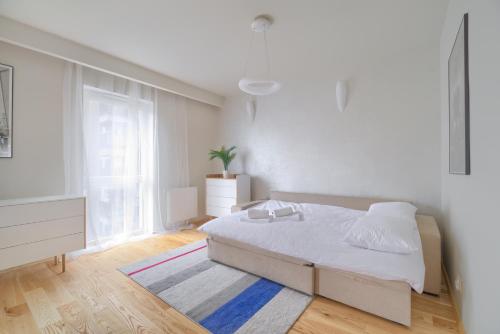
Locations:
(225, 155)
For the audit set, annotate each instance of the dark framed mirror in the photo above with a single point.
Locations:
(6, 110)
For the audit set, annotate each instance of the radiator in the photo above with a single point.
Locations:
(182, 204)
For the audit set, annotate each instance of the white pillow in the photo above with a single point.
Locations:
(393, 209)
(384, 233)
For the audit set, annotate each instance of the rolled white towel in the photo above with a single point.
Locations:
(283, 212)
(258, 214)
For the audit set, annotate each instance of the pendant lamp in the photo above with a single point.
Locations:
(255, 85)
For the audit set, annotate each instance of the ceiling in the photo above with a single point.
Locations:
(205, 43)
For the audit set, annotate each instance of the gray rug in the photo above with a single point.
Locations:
(220, 298)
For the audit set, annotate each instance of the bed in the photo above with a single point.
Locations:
(335, 274)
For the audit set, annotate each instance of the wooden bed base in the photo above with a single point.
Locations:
(388, 299)
(362, 292)
(297, 275)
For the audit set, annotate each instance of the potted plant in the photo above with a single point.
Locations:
(226, 156)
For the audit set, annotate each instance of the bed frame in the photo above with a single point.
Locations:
(385, 298)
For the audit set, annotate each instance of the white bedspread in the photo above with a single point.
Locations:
(319, 239)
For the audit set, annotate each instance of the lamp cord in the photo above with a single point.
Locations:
(268, 59)
(268, 62)
(248, 53)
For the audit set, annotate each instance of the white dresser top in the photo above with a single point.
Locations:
(27, 200)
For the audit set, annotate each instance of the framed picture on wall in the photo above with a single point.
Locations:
(6, 102)
(458, 98)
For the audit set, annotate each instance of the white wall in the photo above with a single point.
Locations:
(386, 143)
(202, 130)
(37, 167)
(470, 203)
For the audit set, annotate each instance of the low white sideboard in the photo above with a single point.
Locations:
(222, 193)
(33, 229)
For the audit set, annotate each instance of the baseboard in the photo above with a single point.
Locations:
(461, 329)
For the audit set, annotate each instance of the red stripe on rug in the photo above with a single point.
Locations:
(169, 259)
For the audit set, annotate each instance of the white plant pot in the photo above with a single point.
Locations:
(225, 174)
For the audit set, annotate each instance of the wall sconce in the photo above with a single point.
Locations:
(341, 95)
(251, 106)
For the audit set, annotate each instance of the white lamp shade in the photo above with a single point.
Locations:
(341, 95)
(251, 109)
(259, 87)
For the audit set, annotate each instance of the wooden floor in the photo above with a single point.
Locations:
(93, 297)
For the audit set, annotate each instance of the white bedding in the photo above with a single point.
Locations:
(319, 239)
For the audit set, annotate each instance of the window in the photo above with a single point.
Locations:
(118, 140)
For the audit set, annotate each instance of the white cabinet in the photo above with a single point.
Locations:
(33, 229)
(222, 194)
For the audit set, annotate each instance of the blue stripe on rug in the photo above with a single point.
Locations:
(232, 315)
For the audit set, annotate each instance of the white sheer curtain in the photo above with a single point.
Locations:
(125, 146)
(172, 151)
(75, 164)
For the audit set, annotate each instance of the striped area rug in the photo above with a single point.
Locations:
(220, 298)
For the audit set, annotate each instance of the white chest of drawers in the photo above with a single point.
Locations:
(222, 194)
(33, 229)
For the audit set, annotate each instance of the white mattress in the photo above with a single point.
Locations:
(319, 239)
